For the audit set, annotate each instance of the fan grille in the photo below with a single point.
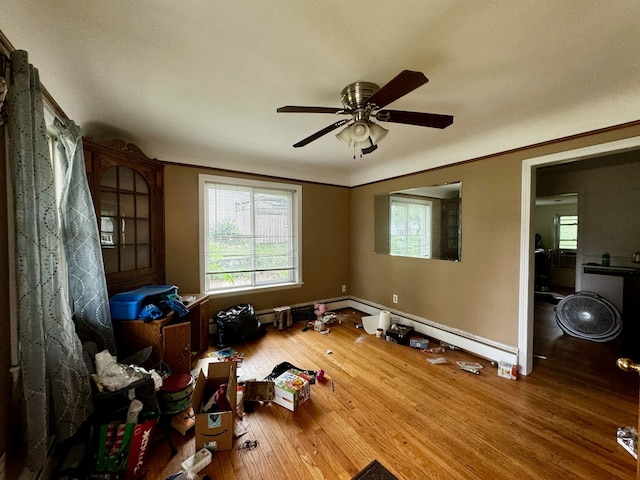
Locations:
(587, 315)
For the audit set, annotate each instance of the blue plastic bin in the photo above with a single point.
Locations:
(127, 305)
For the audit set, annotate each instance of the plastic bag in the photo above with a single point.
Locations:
(238, 324)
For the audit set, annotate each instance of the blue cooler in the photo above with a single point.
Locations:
(127, 305)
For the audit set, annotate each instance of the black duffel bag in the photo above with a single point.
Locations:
(238, 324)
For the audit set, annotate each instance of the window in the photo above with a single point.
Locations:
(250, 234)
(567, 232)
(410, 227)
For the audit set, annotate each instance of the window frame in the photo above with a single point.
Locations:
(296, 218)
(428, 207)
(557, 231)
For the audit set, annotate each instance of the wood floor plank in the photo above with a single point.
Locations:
(387, 402)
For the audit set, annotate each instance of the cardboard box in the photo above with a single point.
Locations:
(507, 370)
(291, 391)
(122, 450)
(215, 427)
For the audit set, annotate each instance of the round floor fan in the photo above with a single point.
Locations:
(589, 316)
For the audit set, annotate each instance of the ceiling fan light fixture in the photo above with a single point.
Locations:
(377, 133)
(345, 136)
(359, 131)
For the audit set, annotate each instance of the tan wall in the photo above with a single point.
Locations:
(325, 240)
(462, 294)
(480, 294)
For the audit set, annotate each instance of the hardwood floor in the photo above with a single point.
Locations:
(425, 421)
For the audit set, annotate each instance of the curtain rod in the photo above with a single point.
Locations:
(5, 49)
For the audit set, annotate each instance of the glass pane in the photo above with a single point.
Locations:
(109, 178)
(110, 256)
(141, 184)
(126, 179)
(108, 203)
(128, 235)
(127, 204)
(275, 276)
(142, 232)
(218, 281)
(142, 206)
(127, 258)
(144, 256)
(108, 235)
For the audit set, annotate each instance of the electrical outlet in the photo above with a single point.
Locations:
(395, 298)
(344, 288)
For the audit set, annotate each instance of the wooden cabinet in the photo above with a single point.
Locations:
(173, 339)
(127, 190)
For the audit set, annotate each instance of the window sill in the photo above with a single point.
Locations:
(250, 290)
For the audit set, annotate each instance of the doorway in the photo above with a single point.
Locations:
(527, 238)
(557, 241)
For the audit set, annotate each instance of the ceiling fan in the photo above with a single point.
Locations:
(364, 101)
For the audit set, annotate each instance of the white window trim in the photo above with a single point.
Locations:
(296, 215)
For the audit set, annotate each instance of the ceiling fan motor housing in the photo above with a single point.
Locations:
(355, 95)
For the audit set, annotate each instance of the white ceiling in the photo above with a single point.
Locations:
(199, 82)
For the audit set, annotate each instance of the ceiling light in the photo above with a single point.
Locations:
(362, 135)
(359, 131)
(345, 136)
(377, 133)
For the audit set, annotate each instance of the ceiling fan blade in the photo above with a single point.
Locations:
(294, 109)
(405, 82)
(320, 133)
(434, 120)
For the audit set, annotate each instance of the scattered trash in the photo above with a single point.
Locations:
(239, 428)
(285, 366)
(197, 462)
(357, 325)
(418, 342)
(248, 445)
(628, 438)
(319, 309)
(507, 370)
(331, 385)
(435, 361)
(436, 350)
(325, 332)
(320, 375)
(471, 367)
(329, 352)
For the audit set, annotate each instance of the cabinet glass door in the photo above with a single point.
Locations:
(125, 228)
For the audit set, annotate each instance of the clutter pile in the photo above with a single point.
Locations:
(126, 413)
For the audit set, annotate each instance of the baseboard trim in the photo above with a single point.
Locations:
(480, 346)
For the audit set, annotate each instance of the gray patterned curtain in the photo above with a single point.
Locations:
(55, 381)
(87, 281)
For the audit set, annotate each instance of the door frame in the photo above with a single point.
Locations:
(526, 290)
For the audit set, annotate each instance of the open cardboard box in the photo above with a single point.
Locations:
(215, 427)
